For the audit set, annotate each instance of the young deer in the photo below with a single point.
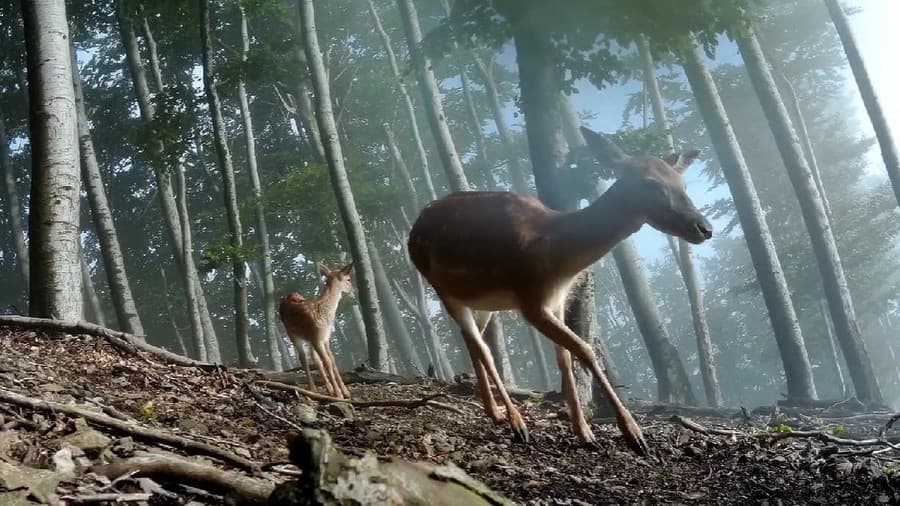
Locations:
(313, 321)
(493, 251)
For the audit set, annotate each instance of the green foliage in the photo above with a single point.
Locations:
(223, 254)
(779, 429)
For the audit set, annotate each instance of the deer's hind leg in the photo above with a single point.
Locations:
(336, 372)
(576, 414)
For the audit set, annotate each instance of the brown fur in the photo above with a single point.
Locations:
(313, 321)
(491, 251)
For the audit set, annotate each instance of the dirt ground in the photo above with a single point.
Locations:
(225, 409)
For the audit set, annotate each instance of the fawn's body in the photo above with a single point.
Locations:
(313, 321)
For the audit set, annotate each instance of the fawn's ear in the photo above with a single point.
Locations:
(605, 151)
(681, 161)
(347, 269)
(323, 270)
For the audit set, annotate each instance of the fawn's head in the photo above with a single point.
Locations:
(655, 186)
(339, 276)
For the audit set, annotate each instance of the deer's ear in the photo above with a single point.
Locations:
(323, 270)
(671, 158)
(685, 160)
(347, 269)
(605, 151)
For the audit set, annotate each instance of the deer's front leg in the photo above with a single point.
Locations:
(576, 415)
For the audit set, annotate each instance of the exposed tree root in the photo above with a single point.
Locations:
(245, 489)
(134, 430)
(402, 403)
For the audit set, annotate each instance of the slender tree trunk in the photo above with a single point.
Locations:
(475, 125)
(262, 231)
(797, 369)
(832, 349)
(368, 296)
(886, 140)
(495, 338)
(431, 96)
(540, 358)
(232, 212)
(93, 311)
(514, 165)
(13, 207)
(425, 172)
(179, 338)
(817, 224)
(113, 261)
(682, 251)
(412, 196)
(54, 234)
(174, 224)
(407, 354)
(187, 260)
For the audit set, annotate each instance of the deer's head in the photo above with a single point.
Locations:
(341, 276)
(655, 187)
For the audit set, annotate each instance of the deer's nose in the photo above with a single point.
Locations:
(704, 227)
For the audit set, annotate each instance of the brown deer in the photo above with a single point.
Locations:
(313, 321)
(493, 251)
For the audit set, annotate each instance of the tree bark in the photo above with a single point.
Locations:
(682, 251)
(514, 165)
(93, 311)
(425, 172)
(13, 207)
(540, 358)
(832, 350)
(484, 164)
(797, 369)
(232, 212)
(53, 222)
(176, 330)
(365, 277)
(495, 338)
(262, 231)
(198, 335)
(889, 152)
(111, 251)
(403, 174)
(818, 226)
(431, 97)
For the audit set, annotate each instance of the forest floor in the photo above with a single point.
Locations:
(46, 454)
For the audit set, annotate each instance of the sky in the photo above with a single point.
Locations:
(878, 39)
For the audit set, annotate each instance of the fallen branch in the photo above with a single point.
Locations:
(246, 490)
(137, 431)
(108, 497)
(401, 403)
(128, 343)
(777, 436)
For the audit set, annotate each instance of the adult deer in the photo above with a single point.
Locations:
(493, 251)
(313, 321)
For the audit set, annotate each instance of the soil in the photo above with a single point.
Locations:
(222, 407)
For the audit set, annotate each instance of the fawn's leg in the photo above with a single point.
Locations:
(324, 367)
(576, 414)
(336, 372)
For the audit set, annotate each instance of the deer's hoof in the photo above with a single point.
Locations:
(520, 430)
(634, 437)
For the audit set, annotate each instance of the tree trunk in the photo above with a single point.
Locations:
(673, 384)
(262, 231)
(514, 165)
(540, 358)
(428, 86)
(407, 355)
(93, 311)
(365, 277)
(682, 251)
(425, 172)
(232, 212)
(198, 334)
(484, 164)
(403, 174)
(889, 152)
(113, 261)
(817, 224)
(53, 222)
(179, 338)
(13, 207)
(797, 369)
(174, 224)
(496, 341)
(832, 349)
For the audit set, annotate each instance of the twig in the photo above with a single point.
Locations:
(121, 340)
(247, 490)
(696, 427)
(135, 430)
(402, 403)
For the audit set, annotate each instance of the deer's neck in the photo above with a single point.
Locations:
(584, 236)
(328, 299)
